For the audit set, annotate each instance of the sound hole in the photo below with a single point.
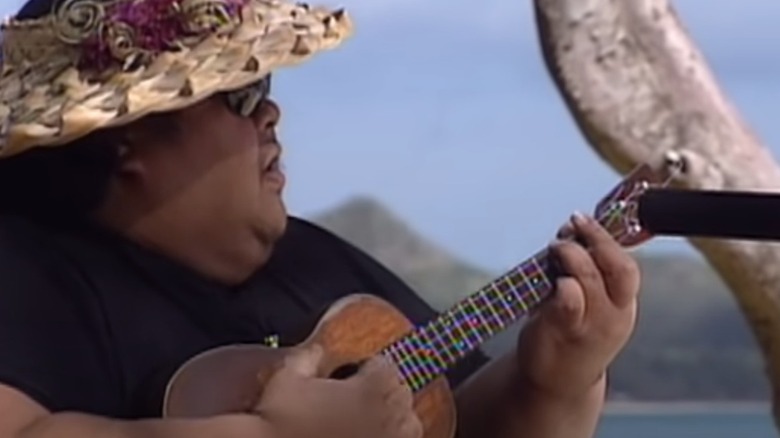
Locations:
(346, 371)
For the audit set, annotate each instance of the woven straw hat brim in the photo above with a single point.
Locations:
(45, 100)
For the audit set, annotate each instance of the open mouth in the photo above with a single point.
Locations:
(274, 165)
(273, 175)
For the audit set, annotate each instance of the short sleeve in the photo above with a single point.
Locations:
(50, 337)
(390, 287)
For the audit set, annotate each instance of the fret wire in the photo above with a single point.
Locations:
(533, 277)
(494, 310)
(435, 352)
(430, 350)
(522, 286)
(491, 319)
(504, 302)
(472, 318)
(484, 315)
(421, 354)
(450, 335)
(513, 292)
(541, 272)
(533, 280)
(504, 299)
(441, 328)
(402, 362)
(392, 353)
(463, 341)
(410, 356)
(526, 283)
(424, 347)
(475, 321)
(502, 314)
(408, 371)
(478, 322)
(457, 331)
(405, 361)
(496, 300)
(415, 360)
(443, 339)
(512, 289)
(445, 362)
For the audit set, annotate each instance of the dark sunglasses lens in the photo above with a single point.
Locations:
(246, 100)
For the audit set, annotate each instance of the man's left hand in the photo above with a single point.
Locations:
(566, 347)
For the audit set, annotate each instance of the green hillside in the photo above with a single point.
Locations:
(691, 341)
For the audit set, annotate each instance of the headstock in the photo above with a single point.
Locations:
(617, 212)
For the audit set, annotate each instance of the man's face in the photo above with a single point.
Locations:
(239, 157)
(219, 170)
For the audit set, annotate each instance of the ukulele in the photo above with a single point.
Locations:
(231, 378)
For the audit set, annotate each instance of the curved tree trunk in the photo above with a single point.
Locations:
(637, 86)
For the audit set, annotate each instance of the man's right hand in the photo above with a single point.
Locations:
(372, 403)
(295, 404)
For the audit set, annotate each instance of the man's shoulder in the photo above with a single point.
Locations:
(50, 328)
(301, 228)
(303, 235)
(24, 241)
(36, 258)
(307, 237)
(307, 243)
(312, 247)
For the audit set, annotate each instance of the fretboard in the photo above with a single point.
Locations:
(431, 349)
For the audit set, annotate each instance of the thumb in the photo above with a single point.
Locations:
(377, 366)
(304, 362)
(566, 310)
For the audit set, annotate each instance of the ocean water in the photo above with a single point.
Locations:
(695, 425)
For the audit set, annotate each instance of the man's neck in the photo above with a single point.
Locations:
(227, 264)
(227, 258)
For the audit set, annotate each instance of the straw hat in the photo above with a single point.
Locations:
(92, 64)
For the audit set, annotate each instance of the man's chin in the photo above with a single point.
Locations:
(267, 235)
(277, 225)
(282, 226)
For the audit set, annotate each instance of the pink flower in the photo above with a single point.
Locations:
(148, 27)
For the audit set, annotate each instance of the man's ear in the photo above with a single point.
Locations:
(139, 144)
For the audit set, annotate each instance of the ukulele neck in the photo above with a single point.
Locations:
(431, 349)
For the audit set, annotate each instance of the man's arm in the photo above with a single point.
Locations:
(554, 384)
(22, 417)
(51, 355)
(497, 402)
(493, 396)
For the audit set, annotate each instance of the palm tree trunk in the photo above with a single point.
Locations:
(637, 86)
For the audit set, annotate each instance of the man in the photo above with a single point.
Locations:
(143, 223)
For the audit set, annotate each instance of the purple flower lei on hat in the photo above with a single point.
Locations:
(140, 29)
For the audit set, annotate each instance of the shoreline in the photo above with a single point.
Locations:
(686, 407)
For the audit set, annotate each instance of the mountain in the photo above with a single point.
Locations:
(439, 277)
(691, 341)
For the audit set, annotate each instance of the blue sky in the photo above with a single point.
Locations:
(444, 112)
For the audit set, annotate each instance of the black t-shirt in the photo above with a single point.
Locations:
(94, 323)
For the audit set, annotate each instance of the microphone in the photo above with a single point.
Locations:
(710, 213)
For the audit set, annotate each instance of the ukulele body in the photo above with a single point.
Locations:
(231, 379)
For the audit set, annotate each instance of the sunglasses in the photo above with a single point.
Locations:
(245, 101)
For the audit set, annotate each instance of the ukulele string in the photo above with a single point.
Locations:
(415, 359)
